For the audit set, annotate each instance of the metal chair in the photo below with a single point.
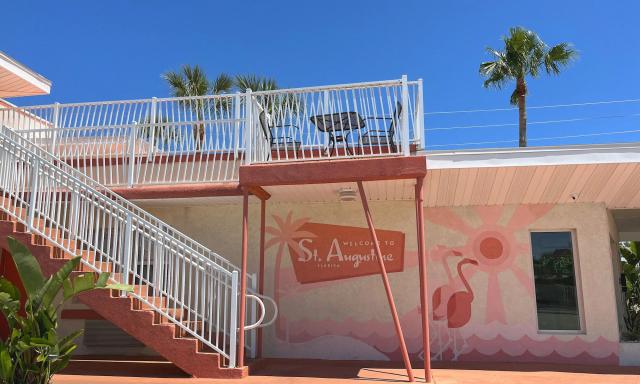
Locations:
(278, 142)
(382, 137)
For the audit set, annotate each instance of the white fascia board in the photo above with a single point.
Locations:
(532, 156)
(24, 73)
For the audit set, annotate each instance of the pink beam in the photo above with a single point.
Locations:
(243, 275)
(263, 209)
(385, 282)
(422, 263)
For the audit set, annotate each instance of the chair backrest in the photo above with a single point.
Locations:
(395, 119)
(264, 124)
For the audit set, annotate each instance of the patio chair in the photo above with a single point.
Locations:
(383, 137)
(269, 129)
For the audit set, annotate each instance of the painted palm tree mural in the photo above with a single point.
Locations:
(284, 235)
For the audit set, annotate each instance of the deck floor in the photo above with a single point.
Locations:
(303, 372)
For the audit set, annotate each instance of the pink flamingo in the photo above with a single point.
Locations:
(442, 294)
(459, 304)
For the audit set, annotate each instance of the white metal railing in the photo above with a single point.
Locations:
(182, 281)
(344, 121)
(139, 142)
(207, 138)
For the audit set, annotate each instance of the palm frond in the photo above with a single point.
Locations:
(222, 84)
(559, 56)
(177, 84)
(255, 83)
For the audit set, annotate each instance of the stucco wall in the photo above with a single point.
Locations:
(349, 318)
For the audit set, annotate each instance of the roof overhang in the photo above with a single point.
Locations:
(606, 174)
(18, 80)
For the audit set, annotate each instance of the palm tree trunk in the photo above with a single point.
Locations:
(198, 132)
(522, 112)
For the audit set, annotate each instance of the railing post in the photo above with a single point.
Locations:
(152, 128)
(126, 254)
(75, 214)
(419, 120)
(404, 119)
(33, 190)
(233, 331)
(236, 117)
(326, 109)
(55, 125)
(132, 153)
(249, 129)
(253, 317)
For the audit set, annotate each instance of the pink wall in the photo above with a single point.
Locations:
(481, 291)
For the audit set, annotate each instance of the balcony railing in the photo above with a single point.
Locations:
(206, 139)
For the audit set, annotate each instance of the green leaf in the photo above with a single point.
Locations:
(27, 266)
(79, 284)
(6, 366)
(67, 340)
(8, 287)
(120, 287)
(103, 279)
(56, 281)
(40, 342)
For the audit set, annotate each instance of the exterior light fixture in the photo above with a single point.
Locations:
(347, 194)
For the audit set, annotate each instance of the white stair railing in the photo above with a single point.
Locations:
(182, 281)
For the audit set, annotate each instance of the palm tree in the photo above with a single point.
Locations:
(192, 81)
(255, 83)
(524, 54)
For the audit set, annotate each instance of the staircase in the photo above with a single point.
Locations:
(185, 302)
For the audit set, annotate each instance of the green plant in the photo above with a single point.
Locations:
(631, 270)
(33, 350)
(192, 81)
(524, 55)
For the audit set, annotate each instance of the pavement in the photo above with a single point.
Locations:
(327, 372)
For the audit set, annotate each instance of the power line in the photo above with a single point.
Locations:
(538, 138)
(534, 107)
(572, 120)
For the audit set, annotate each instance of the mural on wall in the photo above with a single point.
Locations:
(482, 294)
(326, 255)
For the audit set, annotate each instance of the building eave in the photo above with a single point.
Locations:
(17, 80)
(534, 156)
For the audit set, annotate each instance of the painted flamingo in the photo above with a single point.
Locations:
(448, 304)
(459, 304)
(442, 294)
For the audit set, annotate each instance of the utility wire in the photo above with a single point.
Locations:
(535, 107)
(531, 122)
(538, 138)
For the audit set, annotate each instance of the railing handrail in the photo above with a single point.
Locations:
(122, 202)
(222, 95)
(42, 165)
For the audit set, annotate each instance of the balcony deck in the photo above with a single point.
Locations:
(173, 141)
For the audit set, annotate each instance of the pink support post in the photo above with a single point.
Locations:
(263, 209)
(243, 275)
(422, 263)
(385, 282)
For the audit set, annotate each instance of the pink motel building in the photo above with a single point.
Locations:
(311, 223)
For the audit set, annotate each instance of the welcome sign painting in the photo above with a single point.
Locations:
(331, 252)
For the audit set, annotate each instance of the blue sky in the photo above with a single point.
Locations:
(104, 50)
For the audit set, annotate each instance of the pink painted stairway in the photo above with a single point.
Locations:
(131, 315)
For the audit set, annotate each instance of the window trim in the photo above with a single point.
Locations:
(578, 278)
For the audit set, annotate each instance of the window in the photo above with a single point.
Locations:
(555, 281)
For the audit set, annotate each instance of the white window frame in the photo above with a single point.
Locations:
(578, 279)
